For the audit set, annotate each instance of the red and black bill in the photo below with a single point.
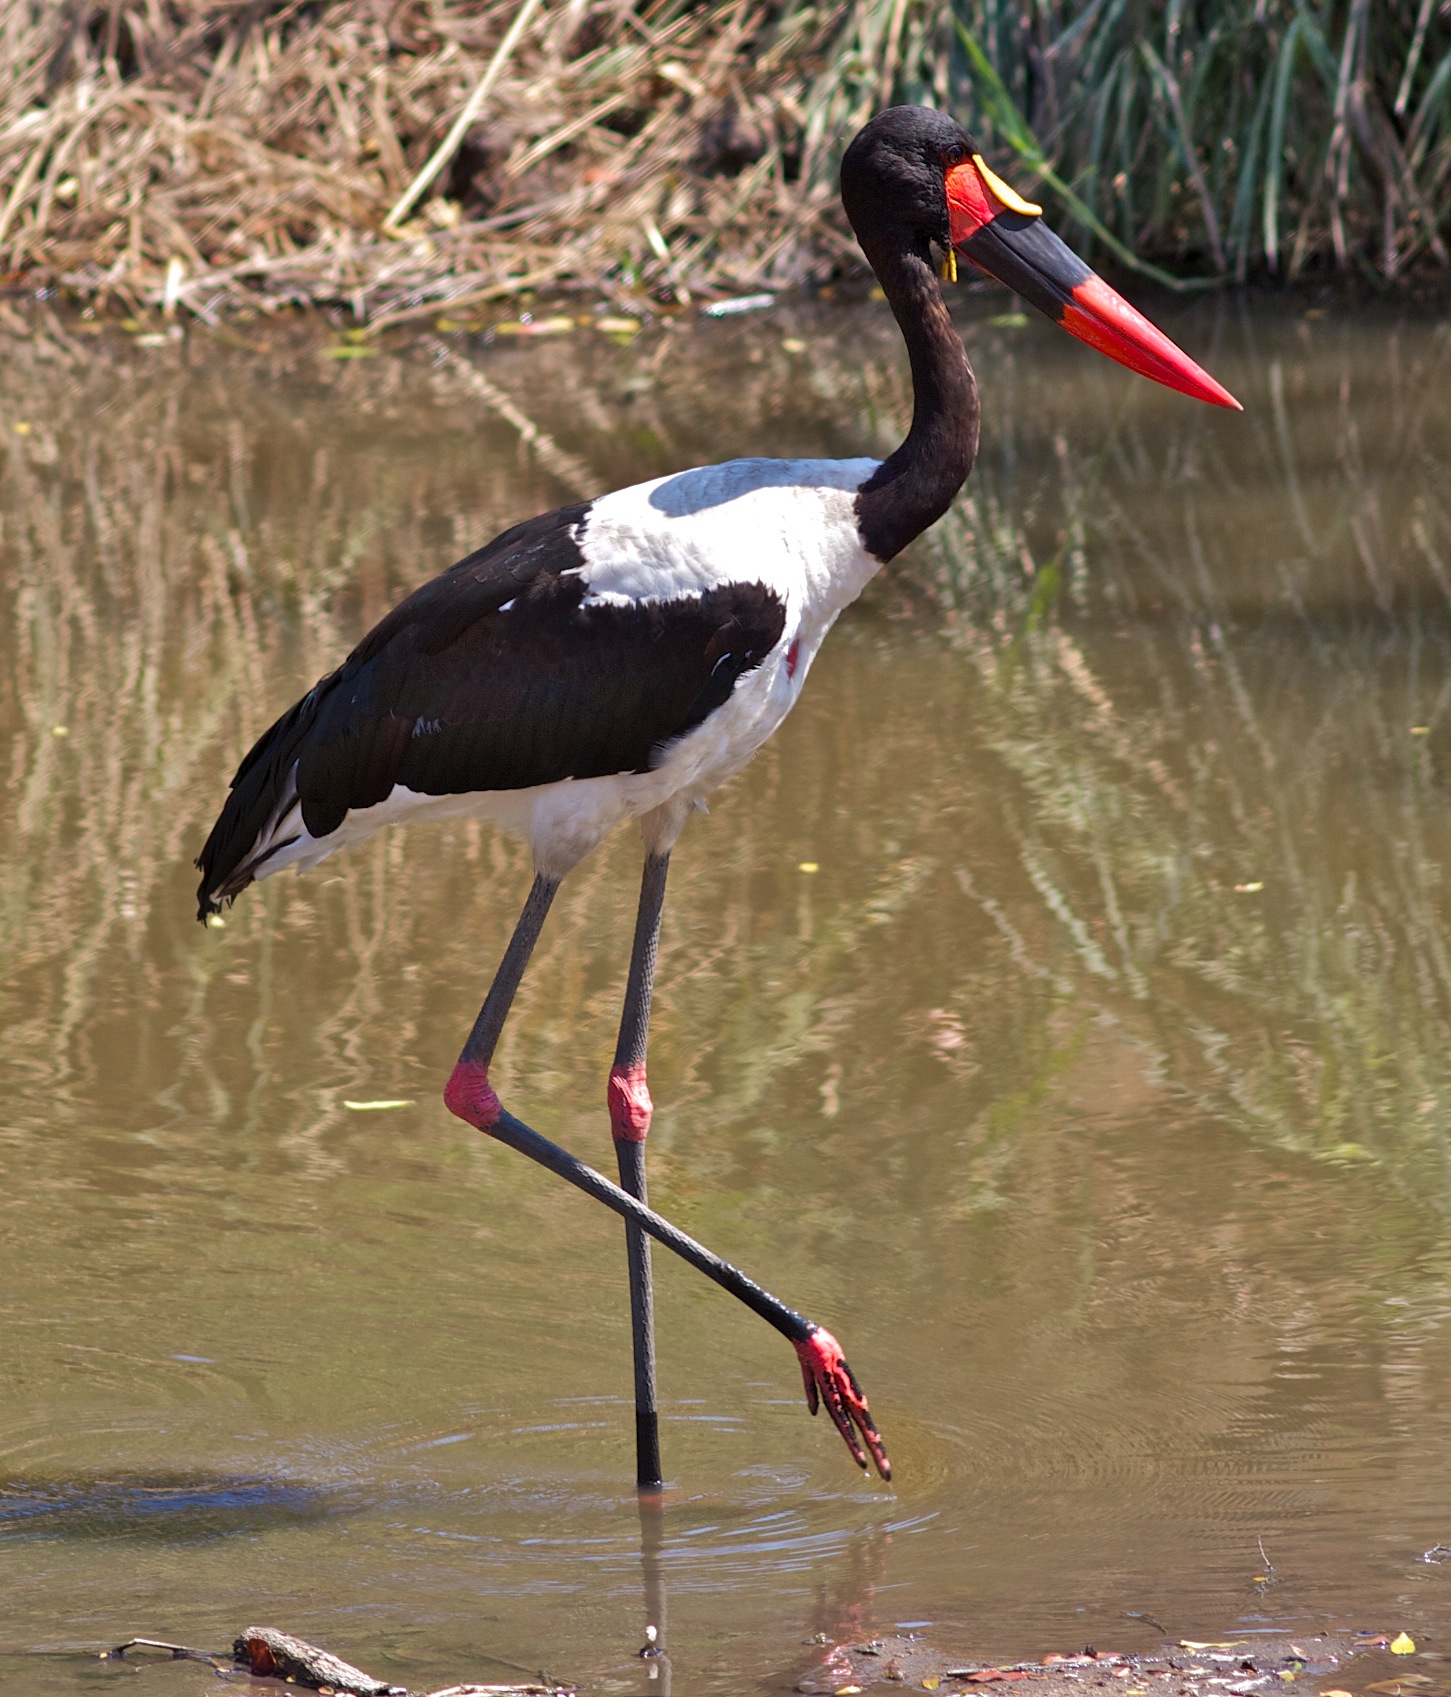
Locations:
(1004, 236)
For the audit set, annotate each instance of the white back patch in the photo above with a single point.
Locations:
(788, 524)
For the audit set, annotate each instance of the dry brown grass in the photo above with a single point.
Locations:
(198, 154)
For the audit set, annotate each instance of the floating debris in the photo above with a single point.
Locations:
(535, 327)
(738, 304)
(1191, 1667)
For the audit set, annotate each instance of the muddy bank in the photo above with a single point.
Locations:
(1244, 1665)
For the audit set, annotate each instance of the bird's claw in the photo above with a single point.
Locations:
(828, 1379)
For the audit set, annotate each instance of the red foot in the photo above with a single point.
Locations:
(469, 1094)
(630, 1104)
(829, 1380)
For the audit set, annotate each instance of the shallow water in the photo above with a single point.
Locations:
(1094, 1088)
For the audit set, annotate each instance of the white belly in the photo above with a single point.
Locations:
(563, 821)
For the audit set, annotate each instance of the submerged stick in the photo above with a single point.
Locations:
(573, 473)
(178, 1652)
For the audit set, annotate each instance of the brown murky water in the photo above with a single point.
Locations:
(1095, 1088)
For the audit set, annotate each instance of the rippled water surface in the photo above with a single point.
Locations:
(1094, 1087)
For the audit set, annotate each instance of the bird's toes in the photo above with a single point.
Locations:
(825, 1371)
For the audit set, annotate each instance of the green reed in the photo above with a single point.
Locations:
(1220, 139)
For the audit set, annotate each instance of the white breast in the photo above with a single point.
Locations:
(789, 524)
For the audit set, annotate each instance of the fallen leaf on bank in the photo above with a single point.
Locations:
(1403, 1645)
(349, 351)
(618, 326)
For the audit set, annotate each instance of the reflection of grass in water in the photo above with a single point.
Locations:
(1236, 832)
(185, 559)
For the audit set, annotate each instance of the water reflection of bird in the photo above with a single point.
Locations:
(620, 658)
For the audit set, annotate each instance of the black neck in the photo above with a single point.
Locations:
(913, 488)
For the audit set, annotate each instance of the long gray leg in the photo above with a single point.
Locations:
(630, 1110)
(468, 1092)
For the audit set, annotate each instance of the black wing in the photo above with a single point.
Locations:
(496, 676)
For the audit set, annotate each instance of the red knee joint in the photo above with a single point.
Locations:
(469, 1094)
(630, 1104)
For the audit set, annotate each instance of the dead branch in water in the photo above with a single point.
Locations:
(267, 1653)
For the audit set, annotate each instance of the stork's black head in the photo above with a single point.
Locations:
(914, 176)
(894, 176)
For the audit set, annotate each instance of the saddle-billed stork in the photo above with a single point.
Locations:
(619, 658)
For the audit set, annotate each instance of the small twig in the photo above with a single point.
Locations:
(178, 1652)
(445, 149)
